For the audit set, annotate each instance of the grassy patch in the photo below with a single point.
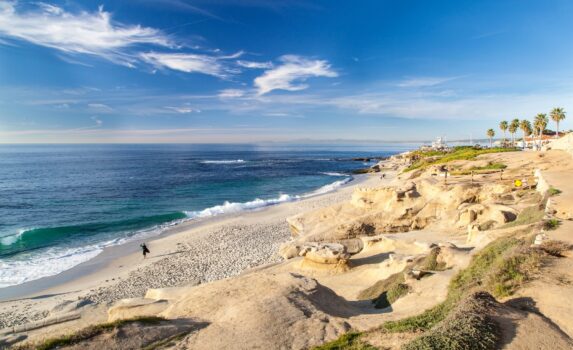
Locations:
(551, 224)
(527, 216)
(90, 332)
(480, 169)
(499, 268)
(553, 191)
(348, 341)
(384, 292)
(430, 261)
(468, 326)
(423, 159)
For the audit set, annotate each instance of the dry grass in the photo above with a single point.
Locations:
(467, 326)
(555, 248)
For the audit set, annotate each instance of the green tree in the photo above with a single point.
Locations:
(557, 115)
(490, 135)
(513, 127)
(503, 127)
(525, 127)
(540, 124)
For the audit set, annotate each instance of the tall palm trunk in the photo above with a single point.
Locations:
(557, 122)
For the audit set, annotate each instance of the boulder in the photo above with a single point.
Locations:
(325, 253)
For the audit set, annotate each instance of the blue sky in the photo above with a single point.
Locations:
(256, 70)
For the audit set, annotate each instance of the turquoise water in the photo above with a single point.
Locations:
(60, 205)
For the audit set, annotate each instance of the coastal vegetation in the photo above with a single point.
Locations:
(553, 191)
(480, 169)
(425, 159)
(463, 320)
(90, 332)
(527, 216)
(348, 341)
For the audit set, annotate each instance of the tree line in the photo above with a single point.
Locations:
(535, 129)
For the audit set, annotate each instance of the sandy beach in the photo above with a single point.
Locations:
(190, 253)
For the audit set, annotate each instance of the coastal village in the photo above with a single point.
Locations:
(463, 247)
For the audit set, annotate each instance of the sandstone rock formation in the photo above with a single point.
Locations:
(262, 311)
(424, 203)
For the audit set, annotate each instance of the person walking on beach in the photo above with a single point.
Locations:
(144, 249)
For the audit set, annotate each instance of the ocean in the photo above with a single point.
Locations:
(61, 205)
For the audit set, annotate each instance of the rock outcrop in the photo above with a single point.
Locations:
(272, 309)
(424, 203)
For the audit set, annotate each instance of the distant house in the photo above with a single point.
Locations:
(534, 141)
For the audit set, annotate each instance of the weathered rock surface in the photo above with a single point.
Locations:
(415, 205)
(135, 307)
(262, 311)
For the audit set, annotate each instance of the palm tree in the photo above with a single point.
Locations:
(525, 127)
(503, 127)
(540, 123)
(490, 134)
(513, 127)
(557, 115)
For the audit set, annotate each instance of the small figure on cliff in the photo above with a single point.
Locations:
(144, 249)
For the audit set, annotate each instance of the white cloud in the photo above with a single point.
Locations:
(255, 65)
(424, 81)
(191, 63)
(231, 93)
(185, 109)
(100, 106)
(293, 69)
(92, 33)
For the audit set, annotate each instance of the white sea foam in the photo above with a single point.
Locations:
(49, 263)
(11, 239)
(334, 174)
(329, 188)
(234, 207)
(233, 161)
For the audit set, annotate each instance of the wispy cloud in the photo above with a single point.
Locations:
(231, 93)
(185, 109)
(92, 33)
(255, 65)
(289, 75)
(192, 63)
(424, 81)
(100, 107)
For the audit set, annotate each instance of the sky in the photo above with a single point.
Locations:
(242, 71)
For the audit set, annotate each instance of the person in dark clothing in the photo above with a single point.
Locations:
(145, 250)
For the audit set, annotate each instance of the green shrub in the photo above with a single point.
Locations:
(388, 297)
(551, 224)
(348, 341)
(553, 191)
(430, 262)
